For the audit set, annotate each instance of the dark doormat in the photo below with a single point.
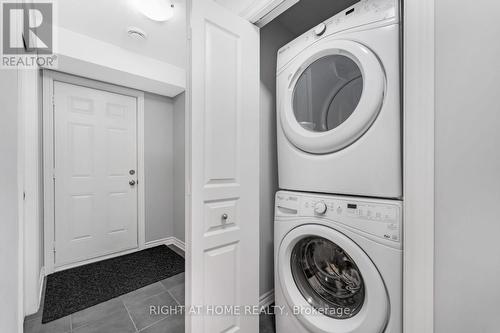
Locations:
(81, 287)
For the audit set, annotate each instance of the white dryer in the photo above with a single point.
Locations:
(338, 264)
(338, 105)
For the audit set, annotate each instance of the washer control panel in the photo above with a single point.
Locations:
(320, 208)
(380, 218)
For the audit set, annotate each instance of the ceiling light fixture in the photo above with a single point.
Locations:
(156, 10)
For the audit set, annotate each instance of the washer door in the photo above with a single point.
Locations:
(335, 92)
(329, 282)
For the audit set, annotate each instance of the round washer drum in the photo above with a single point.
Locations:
(327, 277)
(333, 97)
(325, 273)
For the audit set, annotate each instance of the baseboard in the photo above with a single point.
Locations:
(266, 298)
(180, 244)
(166, 241)
(161, 241)
(41, 278)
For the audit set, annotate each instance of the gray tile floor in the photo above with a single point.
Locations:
(266, 323)
(129, 313)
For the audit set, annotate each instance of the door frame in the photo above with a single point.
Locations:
(49, 77)
(419, 156)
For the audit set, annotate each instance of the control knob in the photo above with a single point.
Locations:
(320, 208)
(320, 29)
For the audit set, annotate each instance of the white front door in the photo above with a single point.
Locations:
(223, 198)
(95, 146)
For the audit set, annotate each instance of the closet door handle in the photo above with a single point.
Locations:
(131, 183)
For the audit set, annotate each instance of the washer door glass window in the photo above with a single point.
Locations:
(327, 277)
(327, 93)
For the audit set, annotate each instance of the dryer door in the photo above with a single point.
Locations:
(330, 282)
(334, 93)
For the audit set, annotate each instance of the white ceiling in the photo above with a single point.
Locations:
(108, 20)
(237, 6)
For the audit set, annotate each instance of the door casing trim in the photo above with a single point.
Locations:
(49, 77)
(419, 160)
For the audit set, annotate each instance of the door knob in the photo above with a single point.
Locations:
(224, 217)
(131, 183)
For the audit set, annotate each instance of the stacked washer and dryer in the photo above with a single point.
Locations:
(338, 215)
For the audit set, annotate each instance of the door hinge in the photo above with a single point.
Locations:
(54, 248)
(24, 195)
(189, 33)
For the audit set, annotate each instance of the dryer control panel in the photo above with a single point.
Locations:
(358, 15)
(376, 217)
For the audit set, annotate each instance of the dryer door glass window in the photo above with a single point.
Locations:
(327, 277)
(327, 93)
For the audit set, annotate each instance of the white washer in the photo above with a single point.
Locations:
(338, 105)
(338, 264)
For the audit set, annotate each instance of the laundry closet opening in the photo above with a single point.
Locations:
(323, 94)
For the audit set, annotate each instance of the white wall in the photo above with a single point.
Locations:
(164, 162)
(272, 37)
(467, 223)
(31, 96)
(10, 280)
(159, 165)
(179, 166)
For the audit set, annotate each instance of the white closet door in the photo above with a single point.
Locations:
(95, 151)
(223, 210)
